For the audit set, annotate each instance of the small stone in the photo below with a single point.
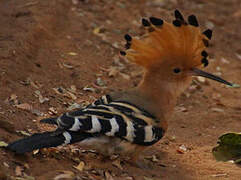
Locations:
(209, 25)
(201, 79)
(224, 61)
(182, 149)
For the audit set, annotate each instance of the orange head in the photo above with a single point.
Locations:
(171, 51)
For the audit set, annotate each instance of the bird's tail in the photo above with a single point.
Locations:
(45, 140)
(49, 121)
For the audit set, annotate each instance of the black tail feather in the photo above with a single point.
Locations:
(49, 121)
(36, 141)
(45, 140)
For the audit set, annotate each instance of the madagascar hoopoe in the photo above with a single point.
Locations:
(127, 122)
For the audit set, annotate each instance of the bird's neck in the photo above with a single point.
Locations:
(163, 94)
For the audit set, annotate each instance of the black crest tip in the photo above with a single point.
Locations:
(177, 23)
(192, 20)
(156, 21)
(128, 37)
(205, 62)
(204, 54)
(123, 53)
(208, 33)
(145, 22)
(178, 15)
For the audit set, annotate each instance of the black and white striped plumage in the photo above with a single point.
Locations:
(104, 117)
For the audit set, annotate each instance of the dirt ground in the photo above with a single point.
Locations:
(74, 47)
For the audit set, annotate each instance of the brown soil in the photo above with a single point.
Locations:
(36, 38)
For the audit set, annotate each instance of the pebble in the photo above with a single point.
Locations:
(209, 25)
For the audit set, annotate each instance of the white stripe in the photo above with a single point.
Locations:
(96, 126)
(130, 131)
(114, 127)
(67, 137)
(76, 125)
(104, 99)
(148, 134)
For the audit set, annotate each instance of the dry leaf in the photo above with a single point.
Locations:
(113, 71)
(108, 176)
(65, 175)
(24, 133)
(80, 167)
(117, 164)
(24, 106)
(3, 144)
(72, 53)
(18, 171)
(125, 76)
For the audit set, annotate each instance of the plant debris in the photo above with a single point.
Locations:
(229, 147)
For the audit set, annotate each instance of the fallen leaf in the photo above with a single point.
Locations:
(217, 110)
(219, 175)
(65, 175)
(52, 111)
(18, 171)
(68, 66)
(3, 144)
(74, 106)
(108, 176)
(117, 164)
(125, 76)
(24, 106)
(147, 178)
(89, 89)
(80, 167)
(113, 71)
(72, 53)
(24, 133)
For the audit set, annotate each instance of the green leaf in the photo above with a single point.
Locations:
(229, 148)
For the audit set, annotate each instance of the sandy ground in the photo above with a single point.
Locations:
(52, 44)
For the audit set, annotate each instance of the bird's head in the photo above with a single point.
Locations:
(171, 52)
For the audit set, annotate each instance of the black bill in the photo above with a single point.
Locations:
(198, 72)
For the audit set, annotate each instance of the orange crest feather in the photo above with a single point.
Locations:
(165, 42)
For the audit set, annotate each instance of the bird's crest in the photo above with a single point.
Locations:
(179, 40)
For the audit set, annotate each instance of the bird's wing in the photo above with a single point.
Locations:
(112, 118)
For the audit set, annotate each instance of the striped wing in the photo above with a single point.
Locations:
(112, 118)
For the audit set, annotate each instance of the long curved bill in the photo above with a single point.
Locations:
(198, 72)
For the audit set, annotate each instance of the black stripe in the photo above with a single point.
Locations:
(76, 113)
(66, 122)
(98, 113)
(137, 121)
(86, 124)
(139, 135)
(101, 107)
(122, 108)
(109, 99)
(79, 136)
(105, 126)
(122, 127)
(144, 112)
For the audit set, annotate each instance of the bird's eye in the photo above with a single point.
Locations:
(177, 70)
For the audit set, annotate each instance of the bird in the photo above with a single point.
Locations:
(130, 121)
